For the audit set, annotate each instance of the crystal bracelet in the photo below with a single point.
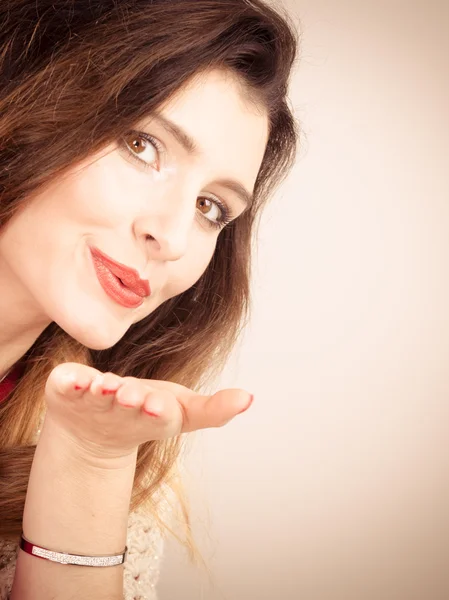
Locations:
(73, 559)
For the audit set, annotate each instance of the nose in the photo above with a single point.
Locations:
(166, 228)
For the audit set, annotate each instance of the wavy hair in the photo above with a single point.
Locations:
(74, 77)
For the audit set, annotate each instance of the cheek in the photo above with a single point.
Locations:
(100, 194)
(180, 276)
(184, 273)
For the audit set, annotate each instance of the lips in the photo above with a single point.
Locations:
(128, 276)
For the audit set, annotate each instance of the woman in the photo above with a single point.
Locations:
(139, 141)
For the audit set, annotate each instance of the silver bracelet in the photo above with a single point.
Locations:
(73, 559)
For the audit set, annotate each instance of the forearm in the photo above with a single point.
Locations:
(78, 508)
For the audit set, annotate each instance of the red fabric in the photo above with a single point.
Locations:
(10, 381)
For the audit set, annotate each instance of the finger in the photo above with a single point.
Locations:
(103, 389)
(162, 410)
(69, 379)
(131, 394)
(158, 408)
(234, 402)
(203, 412)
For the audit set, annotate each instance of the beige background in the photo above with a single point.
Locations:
(336, 484)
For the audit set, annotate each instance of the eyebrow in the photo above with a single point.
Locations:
(238, 189)
(191, 147)
(181, 136)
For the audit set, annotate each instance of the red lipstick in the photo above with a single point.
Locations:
(123, 284)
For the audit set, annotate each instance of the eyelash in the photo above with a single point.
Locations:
(226, 214)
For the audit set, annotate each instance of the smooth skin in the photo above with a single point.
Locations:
(151, 209)
(107, 416)
(81, 479)
(82, 474)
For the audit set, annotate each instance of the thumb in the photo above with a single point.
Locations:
(202, 412)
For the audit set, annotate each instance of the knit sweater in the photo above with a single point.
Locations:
(144, 541)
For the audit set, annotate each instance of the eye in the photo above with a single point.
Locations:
(146, 151)
(144, 148)
(208, 205)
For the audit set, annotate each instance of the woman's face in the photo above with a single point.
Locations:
(151, 203)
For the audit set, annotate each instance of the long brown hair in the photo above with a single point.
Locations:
(75, 76)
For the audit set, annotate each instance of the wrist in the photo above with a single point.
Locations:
(77, 501)
(82, 454)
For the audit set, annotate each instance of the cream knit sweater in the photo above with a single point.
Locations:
(141, 568)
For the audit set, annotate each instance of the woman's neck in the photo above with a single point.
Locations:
(2, 377)
(13, 352)
(22, 320)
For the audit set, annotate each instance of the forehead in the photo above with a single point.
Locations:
(229, 129)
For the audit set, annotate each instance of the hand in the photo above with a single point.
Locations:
(109, 416)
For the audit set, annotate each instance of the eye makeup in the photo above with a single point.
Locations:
(226, 214)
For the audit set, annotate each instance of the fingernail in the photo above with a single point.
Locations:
(249, 404)
(152, 414)
(98, 379)
(154, 408)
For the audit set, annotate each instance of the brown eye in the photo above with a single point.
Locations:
(135, 142)
(143, 148)
(205, 205)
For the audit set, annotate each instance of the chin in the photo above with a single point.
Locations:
(94, 345)
(94, 338)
